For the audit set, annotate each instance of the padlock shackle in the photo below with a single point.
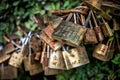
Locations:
(87, 20)
(69, 17)
(82, 19)
(90, 24)
(93, 16)
(74, 16)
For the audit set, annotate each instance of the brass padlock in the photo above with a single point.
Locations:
(16, 60)
(97, 29)
(45, 61)
(90, 36)
(75, 57)
(7, 72)
(56, 60)
(70, 33)
(106, 29)
(103, 51)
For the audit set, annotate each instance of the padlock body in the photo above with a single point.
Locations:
(16, 59)
(100, 52)
(69, 33)
(106, 30)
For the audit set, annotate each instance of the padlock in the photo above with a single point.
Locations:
(70, 33)
(56, 60)
(75, 57)
(106, 29)
(97, 29)
(55, 45)
(116, 26)
(7, 72)
(90, 36)
(47, 70)
(16, 59)
(103, 51)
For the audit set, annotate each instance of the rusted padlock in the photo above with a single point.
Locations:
(97, 29)
(106, 29)
(70, 33)
(104, 52)
(56, 60)
(75, 57)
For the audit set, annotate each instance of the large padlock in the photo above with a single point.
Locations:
(56, 60)
(70, 33)
(97, 29)
(7, 72)
(75, 57)
(106, 29)
(103, 51)
(16, 59)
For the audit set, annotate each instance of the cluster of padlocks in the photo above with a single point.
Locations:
(60, 43)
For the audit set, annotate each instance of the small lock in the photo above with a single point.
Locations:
(16, 60)
(106, 29)
(90, 36)
(97, 29)
(103, 51)
(56, 60)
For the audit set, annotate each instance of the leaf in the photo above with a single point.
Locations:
(66, 4)
(58, 5)
(16, 3)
